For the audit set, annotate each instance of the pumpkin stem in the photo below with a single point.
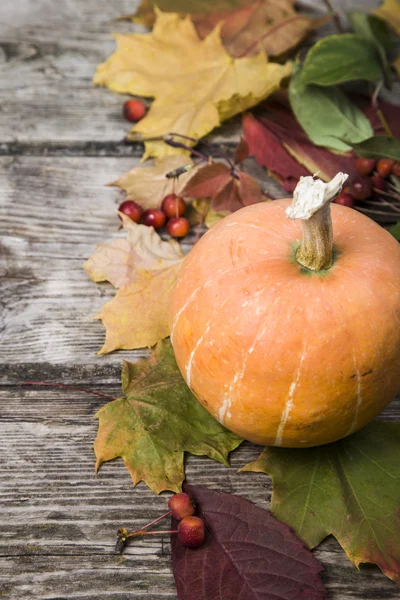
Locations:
(311, 203)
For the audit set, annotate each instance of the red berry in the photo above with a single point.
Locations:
(345, 199)
(378, 182)
(178, 227)
(154, 218)
(191, 532)
(133, 110)
(361, 188)
(173, 206)
(384, 166)
(181, 506)
(131, 210)
(365, 166)
(396, 169)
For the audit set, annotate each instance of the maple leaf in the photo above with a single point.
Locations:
(247, 26)
(121, 261)
(196, 83)
(246, 554)
(149, 185)
(229, 190)
(350, 489)
(156, 421)
(273, 26)
(145, 269)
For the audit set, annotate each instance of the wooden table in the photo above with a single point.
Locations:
(60, 142)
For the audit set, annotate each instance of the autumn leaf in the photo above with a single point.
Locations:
(389, 12)
(241, 151)
(145, 269)
(138, 315)
(270, 153)
(149, 185)
(273, 26)
(281, 145)
(229, 190)
(246, 554)
(121, 261)
(247, 26)
(156, 421)
(145, 14)
(350, 489)
(196, 83)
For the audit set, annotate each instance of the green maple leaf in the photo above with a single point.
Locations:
(350, 489)
(156, 421)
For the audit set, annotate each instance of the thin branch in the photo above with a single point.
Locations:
(335, 16)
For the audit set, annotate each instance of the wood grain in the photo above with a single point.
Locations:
(60, 142)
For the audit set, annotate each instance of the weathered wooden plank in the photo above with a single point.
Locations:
(59, 519)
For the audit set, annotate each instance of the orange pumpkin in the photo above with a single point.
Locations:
(281, 353)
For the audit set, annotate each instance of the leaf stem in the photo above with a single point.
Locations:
(270, 31)
(379, 113)
(149, 524)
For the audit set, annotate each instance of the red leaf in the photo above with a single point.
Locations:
(207, 181)
(270, 153)
(247, 555)
(228, 197)
(237, 193)
(227, 190)
(241, 151)
(314, 158)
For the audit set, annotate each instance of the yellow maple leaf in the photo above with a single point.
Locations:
(389, 11)
(138, 315)
(145, 268)
(148, 185)
(196, 83)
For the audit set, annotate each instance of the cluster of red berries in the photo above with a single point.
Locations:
(190, 528)
(173, 208)
(372, 178)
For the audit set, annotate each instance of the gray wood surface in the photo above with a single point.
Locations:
(60, 142)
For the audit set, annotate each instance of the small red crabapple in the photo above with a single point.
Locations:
(191, 532)
(133, 110)
(178, 227)
(131, 209)
(365, 166)
(396, 169)
(361, 188)
(181, 506)
(154, 218)
(384, 166)
(173, 206)
(378, 182)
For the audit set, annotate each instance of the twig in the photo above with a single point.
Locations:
(335, 16)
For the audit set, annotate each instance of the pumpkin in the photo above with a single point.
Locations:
(289, 338)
